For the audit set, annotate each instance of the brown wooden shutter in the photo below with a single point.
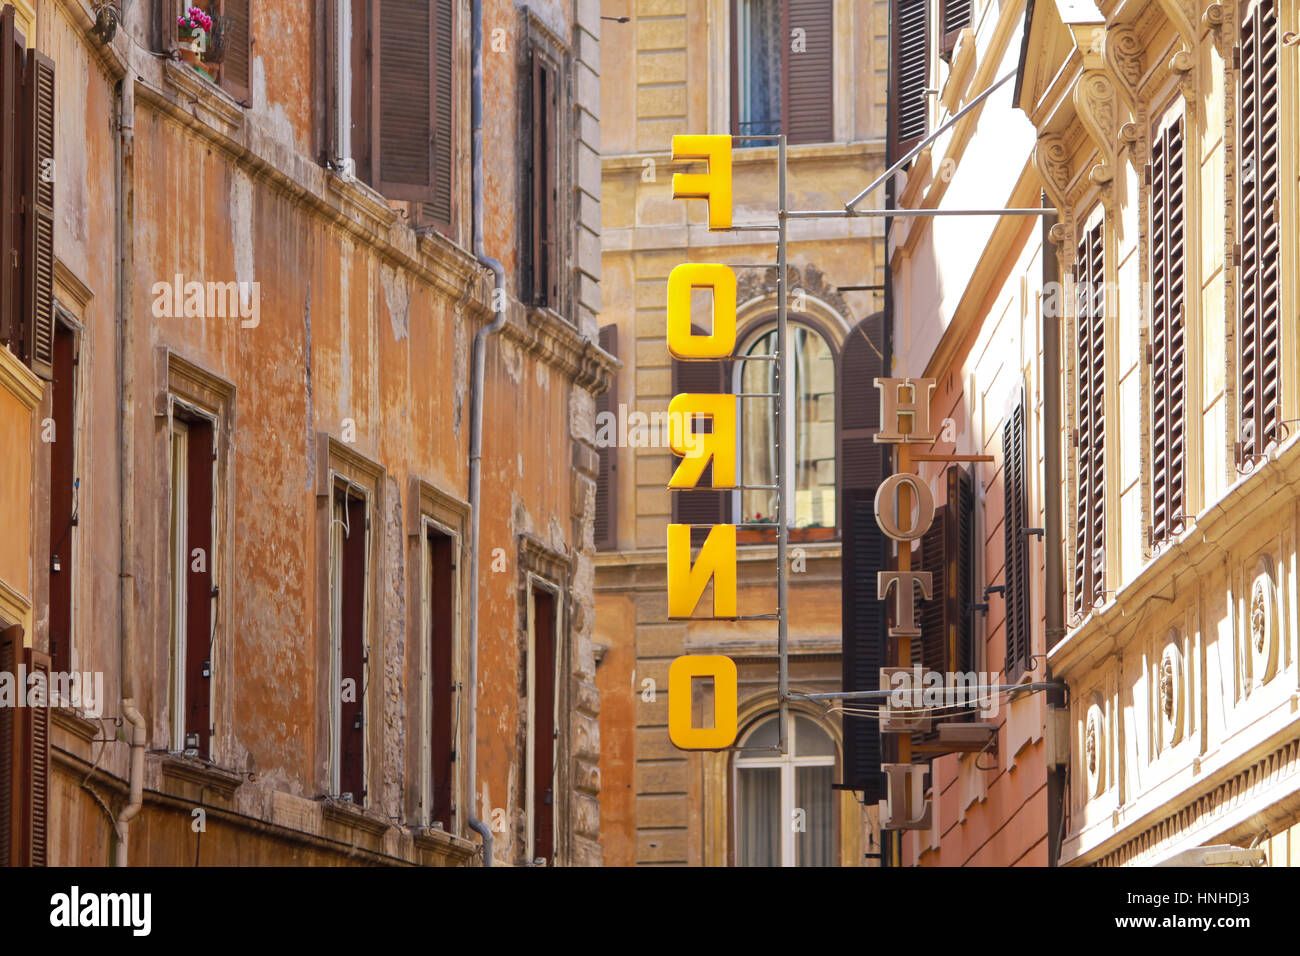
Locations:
(1259, 276)
(404, 95)
(38, 284)
(809, 103)
(606, 521)
(863, 643)
(439, 212)
(237, 65)
(863, 461)
(542, 206)
(955, 17)
(352, 730)
(63, 455)
(198, 584)
(947, 552)
(24, 760)
(544, 647)
(1168, 352)
(442, 567)
(1090, 518)
(1015, 512)
(362, 113)
(910, 22)
(700, 505)
(12, 144)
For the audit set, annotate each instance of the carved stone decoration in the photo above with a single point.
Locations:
(1097, 103)
(1094, 748)
(1261, 626)
(754, 284)
(1180, 15)
(1171, 692)
(1053, 162)
(1123, 52)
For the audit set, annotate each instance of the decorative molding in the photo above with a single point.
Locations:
(350, 815)
(1053, 162)
(178, 768)
(1096, 101)
(754, 284)
(1196, 819)
(19, 381)
(1123, 52)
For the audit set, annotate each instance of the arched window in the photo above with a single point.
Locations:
(809, 427)
(785, 807)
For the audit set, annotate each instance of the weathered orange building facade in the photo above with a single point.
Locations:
(265, 274)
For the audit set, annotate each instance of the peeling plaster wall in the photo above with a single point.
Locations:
(358, 320)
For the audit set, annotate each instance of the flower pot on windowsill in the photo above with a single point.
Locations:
(187, 45)
(796, 535)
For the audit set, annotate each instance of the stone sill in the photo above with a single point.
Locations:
(744, 552)
(351, 815)
(444, 844)
(741, 156)
(179, 769)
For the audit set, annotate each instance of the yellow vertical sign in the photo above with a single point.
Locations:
(716, 562)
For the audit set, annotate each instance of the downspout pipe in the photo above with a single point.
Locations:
(476, 407)
(137, 728)
(1054, 584)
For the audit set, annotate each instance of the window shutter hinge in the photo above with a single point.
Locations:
(1236, 57)
(1236, 253)
(1146, 175)
(1150, 353)
(1074, 437)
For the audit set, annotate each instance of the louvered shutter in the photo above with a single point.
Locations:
(543, 196)
(911, 73)
(947, 552)
(439, 212)
(700, 506)
(808, 106)
(404, 98)
(38, 244)
(12, 789)
(956, 16)
(11, 178)
(866, 551)
(1168, 322)
(24, 760)
(1015, 507)
(606, 521)
(863, 461)
(237, 65)
(1259, 278)
(1090, 517)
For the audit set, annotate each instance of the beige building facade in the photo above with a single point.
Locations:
(716, 67)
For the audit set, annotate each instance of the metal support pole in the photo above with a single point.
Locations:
(782, 530)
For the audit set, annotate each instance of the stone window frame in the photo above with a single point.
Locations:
(337, 461)
(200, 392)
(431, 508)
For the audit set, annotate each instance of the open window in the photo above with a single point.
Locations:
(387, 100)
(349, 573)
(64, 490)
(193, 520)
(781, 70)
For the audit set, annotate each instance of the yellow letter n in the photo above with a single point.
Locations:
(716, 561)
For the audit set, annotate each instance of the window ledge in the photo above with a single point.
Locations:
(204, 93)
(355, 195)
(352, 815)
(74, 722)
(443, 843)
(194, 770)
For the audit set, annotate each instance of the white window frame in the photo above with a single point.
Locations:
(787, 764)
(787, 419)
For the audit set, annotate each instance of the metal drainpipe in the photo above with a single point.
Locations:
(1054, 585)
(476, 408)
(139, 735)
